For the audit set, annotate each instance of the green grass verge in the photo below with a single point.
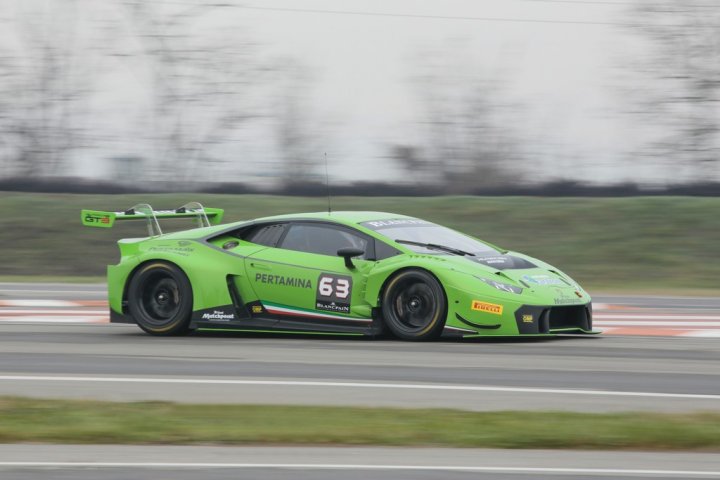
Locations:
(638, 243)
(61, 421)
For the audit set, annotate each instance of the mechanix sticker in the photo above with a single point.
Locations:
(283, 280)
(566, 301)
(218, 316)
(564, 298)
(487, 307)
(333, 293)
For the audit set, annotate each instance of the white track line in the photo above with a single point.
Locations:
(38, 303)
(55, 319)
(647, 323)
(632, 316)
(369, 385)
(338, 466)
(53, 292)
(702, 334)
(85, 311)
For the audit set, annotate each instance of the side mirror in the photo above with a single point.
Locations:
(348, 253)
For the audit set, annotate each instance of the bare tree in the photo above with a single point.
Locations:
(200, 85)
(297, 140)
(680, 92)
(43, 89)
(469, 140)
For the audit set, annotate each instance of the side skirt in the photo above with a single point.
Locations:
(272, 320)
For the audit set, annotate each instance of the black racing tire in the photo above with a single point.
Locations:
(160, 299)
(414, 306)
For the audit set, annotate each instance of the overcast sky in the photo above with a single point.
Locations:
(560, 75)
(560, 65)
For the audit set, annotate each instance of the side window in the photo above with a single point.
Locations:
(322, 239)
(267, 235)
(383, 250)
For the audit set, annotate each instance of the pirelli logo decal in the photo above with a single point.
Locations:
(487, 307)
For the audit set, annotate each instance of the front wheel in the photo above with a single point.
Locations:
(160, 299)
(414, 306)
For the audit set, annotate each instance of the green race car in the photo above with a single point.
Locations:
(339, 273)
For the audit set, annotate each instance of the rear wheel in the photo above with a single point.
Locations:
(160, 299)
(414, 306)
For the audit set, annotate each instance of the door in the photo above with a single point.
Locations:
(304, 279)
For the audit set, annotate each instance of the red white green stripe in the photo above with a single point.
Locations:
(302, 312)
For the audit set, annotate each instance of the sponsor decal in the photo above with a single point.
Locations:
(90, 218)
(333, 293)
(218, 316)
(184, 251)
(565, 301)
(494, 260)
(486, 307)
(542, 280)
(564, 298)
(502, 286)
(283, 280)
(257, 309)
(527, 318)
(184, 243)
(376, 224)
(302, 312)
(503, 262)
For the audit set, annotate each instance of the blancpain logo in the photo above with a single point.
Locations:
(218, 315)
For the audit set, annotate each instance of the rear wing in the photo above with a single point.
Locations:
(142, 211)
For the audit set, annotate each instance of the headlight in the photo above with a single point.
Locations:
(505, 287)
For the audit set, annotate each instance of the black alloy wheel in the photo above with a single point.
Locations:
(414, 306)
(160, 299)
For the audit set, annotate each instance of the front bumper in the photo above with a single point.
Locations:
(533, 319)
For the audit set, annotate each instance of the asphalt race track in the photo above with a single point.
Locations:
(75, 462)
(615, 315)
(46, 350)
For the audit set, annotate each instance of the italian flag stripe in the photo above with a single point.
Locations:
(300, 312)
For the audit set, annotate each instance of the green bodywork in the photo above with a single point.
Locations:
(284, 282)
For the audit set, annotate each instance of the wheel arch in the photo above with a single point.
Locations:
(388, 283)
(378, 284)
(137, 268)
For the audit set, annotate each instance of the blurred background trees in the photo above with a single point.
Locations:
(468, 139)
(679, 95)
(43, 92)
(183, 94)
(202, 85)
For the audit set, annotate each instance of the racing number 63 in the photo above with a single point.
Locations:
(332, 286)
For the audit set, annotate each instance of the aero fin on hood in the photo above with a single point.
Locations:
(503, 262)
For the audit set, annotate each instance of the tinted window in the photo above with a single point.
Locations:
(383, 250)
(267, 235)
(321, 239)
(421, 231)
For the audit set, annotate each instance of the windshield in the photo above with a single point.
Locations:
(426, 232)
